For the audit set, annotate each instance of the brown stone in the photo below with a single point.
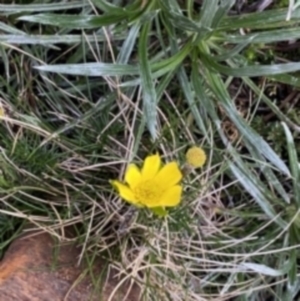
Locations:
(34, 268)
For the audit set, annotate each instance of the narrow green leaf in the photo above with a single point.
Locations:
(15, 8)
(261, 269)
(163, 84)
(10, 29)
(188, 93)
(21, 38)
(178, 20)
(291, 290)
(208, 11)
(294, 163)
(149, 94)
(164, 66)
(190, 99)
(129, 44)
(258, 196)
(255, 140)
(276, 110)
(288, 79)
(251, 71)
(208, 105)
(233, 52)
(101, 69)
(174, 61)
(91, 69)
(275, 17)
(5, 60)
(170, 6)
(269, 36)
(131, 9)
(73, 21)
(222, 12)
(108, 7)
(198, 85)
(273, 181)
(292, 274)
(47, 39)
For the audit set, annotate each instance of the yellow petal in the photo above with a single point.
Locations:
(151, 167)
(153, 203)
(169, 175)
(133, 175)
(124, 191)
(171, 197)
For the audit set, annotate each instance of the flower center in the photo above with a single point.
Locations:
(148, 192)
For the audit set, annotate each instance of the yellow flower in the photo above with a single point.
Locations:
(152, 186)
(196, 156)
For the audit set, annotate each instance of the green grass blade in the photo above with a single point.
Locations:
(233, 52)
(149, 94)
(91, 69)
(54, 39)
(269, 36)
(275, 109)
(10, 29)
(253, 189)
(178, 20)
(294, 163)
(291, 291)
(274, 17)
(73, 21)
(262, 269)
(15, 8)
(256, 141)
(222, 12)
(190, 99)
(251, 71)
(129, 44)
(208, 11)
(288, 79)
(108, 7)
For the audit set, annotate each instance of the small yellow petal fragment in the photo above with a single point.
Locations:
(132, 176)
(151, 167)
(196, 157)
(124, 191)
(171, 197)
(169, 175)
